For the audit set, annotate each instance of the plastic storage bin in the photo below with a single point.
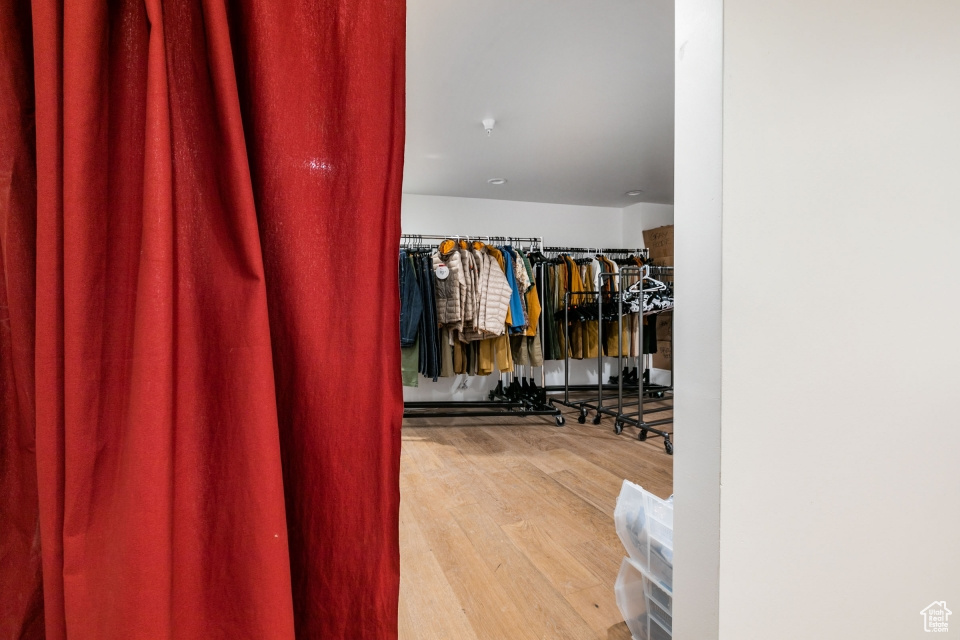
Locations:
(645, 526)
(632, 600)
(659, 602)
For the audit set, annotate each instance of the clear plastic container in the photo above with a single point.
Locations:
(634, 604)
(645, 526)
(659, 602)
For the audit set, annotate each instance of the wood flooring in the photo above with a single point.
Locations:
(506, 527)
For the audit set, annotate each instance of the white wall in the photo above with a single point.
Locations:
(840, 499)
(557, 224)
(642, 216)
(696, 330)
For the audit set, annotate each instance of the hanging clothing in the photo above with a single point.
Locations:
(485, 361)
(446, 352)
(449, 290)
(522, 284)
(532, 298)
(460, 350)
(574, 286)
(490, 282)
(500, 346)
(409, 361)
(560, 279)
(596, 269)
(429, 327)
(495, 293)
(411, 301)
(469, 295)
(650, 334)
(516, 321)
(470, 292)
(411, 317)
(526, 350)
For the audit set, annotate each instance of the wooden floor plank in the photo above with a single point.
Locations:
(563, 509)
(424, 588)
(602, 558)
(598, 606)
(592, 490)
(507, 528)
(645, 463)
(423, 453)
(478, 478)
(543, 609)
(539, 455)
(491, 612)
(554, 561)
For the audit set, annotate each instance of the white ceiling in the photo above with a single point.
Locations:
(582, 92)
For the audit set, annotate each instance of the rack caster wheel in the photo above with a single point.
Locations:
(582, 418)
(642, 435)
(597, 418)
(618, 428)
(560, 420)
(668, 446)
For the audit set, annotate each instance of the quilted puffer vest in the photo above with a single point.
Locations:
(449, 291)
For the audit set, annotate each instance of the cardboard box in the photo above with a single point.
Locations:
(663, 262)
(660, 242)
(663, 358)
(664, 325)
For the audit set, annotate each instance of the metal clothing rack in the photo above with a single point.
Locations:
(416, 239)
(638, 418)
(645, 392)
(580, 405)
(591, 250)
(566, 388)
(500, 404)
(584, 406)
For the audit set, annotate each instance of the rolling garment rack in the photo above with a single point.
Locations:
(646, 393)
(566, 387)
(499, 403)
(638, 418)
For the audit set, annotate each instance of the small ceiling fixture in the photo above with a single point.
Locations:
(488, 125)
(635, 193)
(497, 181)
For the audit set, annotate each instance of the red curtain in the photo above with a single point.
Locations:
(199, 354)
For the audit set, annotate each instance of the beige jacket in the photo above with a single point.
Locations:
(481, 266)
(469, 301)
(449, 291)
(496, 298)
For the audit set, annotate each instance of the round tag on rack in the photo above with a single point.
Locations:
(442, 272)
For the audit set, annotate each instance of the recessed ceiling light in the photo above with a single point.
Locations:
(635, 193)
(497, 181)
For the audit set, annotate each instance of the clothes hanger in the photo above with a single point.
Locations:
(657, 285)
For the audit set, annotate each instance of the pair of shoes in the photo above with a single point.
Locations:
(497, 392)
(514, 391)
(537, 395)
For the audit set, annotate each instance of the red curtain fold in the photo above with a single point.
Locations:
(21, 593)
(200, 361)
